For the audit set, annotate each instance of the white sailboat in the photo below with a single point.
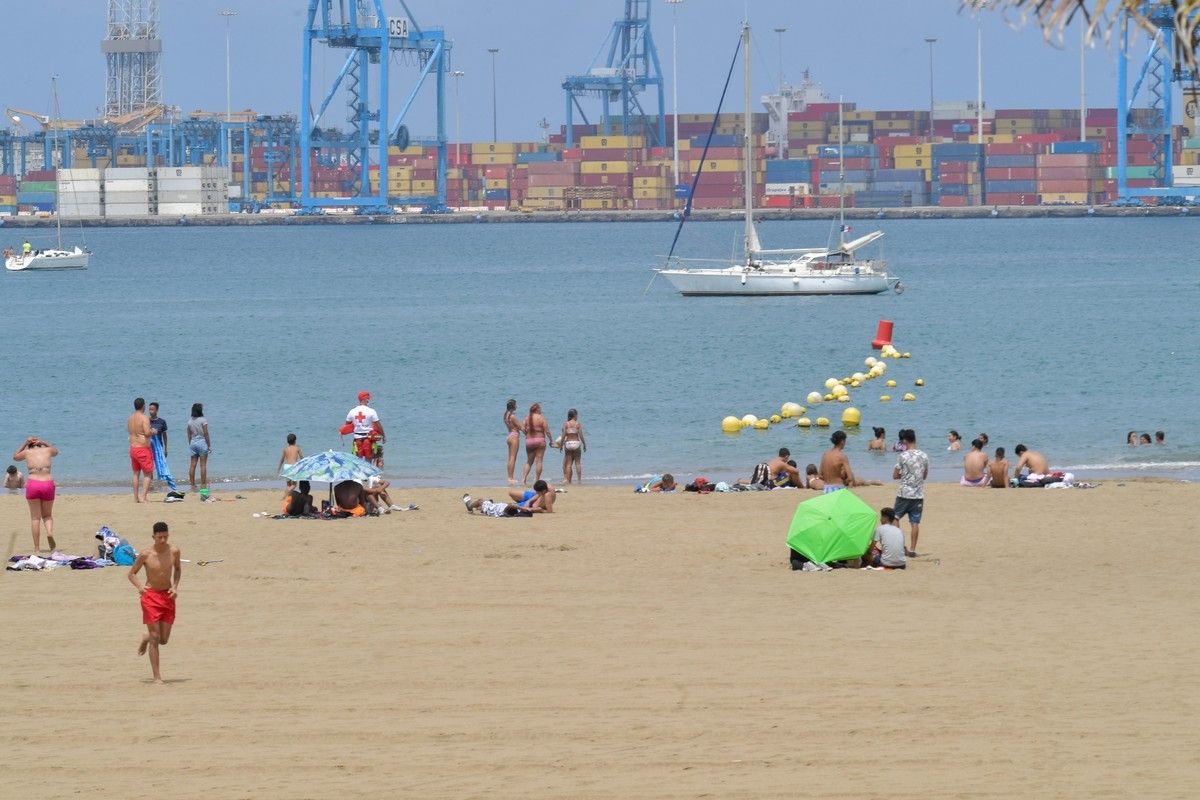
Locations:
(791, 271)
(54, 258)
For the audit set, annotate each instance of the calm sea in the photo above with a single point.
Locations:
(1062, 334)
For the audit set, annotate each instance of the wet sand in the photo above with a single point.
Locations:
(627, 646)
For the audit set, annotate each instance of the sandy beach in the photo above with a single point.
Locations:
(626, 646)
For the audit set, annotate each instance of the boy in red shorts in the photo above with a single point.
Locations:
(163, 572)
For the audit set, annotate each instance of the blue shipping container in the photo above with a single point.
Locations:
(959, 149)
(1075, 147)
(851, 176)
(718, 140)
(899, 186)
(851, 151)
(900, 175)
(33, 198)
(495, 194)
(530, 158)
(1017, 187)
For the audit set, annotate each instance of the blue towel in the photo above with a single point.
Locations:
(160, 463)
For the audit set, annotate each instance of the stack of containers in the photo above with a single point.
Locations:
(957, 174)
(130, 192)
(8, 195)
(549, 184)
(652, 187)
(495, 186)
(1065, 178)
(858, 164)
(607, 163)
(36, 191)
(197, 190)
(1010, 173)
(788, 182)
(895, 188)
(721, 182)
(80, 193)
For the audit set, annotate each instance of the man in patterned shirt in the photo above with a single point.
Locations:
(912, 468)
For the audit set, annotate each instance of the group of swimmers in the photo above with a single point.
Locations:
(536, 430)
(1133, 440)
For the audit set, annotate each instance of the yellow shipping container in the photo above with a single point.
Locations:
(995, 138)
(858, 115)
(8, 199)
(494, 148)
(398, 173)
(724, 165)
(543, 204)
(602, 205)
(1189, 158)
(606, 167)
(911, 151)
(494, 158)
(590, 142)
(651, 194)
(401, 187)
(130, 161)
(651, 183)
(545, 192)
(411, 150)
(893, 125)
(1064, 198)
(806, 127)
(420, 187)
(495, 183)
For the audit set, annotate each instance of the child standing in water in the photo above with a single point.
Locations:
(573, 446)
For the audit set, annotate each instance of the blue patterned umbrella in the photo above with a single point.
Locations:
(332, 467)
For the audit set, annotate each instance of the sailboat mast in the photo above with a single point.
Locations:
(54, 130)
(841, 176)
(747, 148)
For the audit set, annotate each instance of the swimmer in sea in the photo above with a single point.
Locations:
(574, 445)
(955, 441)
(879, 443)
(1131, 439)
(512, 437)
(537, 436)
(39, 489)
(1145, 439)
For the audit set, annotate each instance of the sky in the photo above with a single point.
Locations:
(871, 52)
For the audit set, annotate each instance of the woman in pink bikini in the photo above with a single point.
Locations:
(39, 489)
(513, 437)
(537, 434)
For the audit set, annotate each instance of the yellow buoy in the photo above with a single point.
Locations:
(883, 398)
(822, 422)
(910, 396)
(851, 416)
(839, 390)
(776, 419)
(858, 376)
(843, 398)
(855, 384)
(813, 398)
(870, 361)
(919, 382)
(830, 383)
(762, 425)
(906, 355)
(891, 384)
(749, 419)
(829, 398)
(731, 424)
(803, 422)
(789, 410)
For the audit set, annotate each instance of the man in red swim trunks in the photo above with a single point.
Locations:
(163, 572)
(141, 457)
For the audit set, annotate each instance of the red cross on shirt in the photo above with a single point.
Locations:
(361, 416)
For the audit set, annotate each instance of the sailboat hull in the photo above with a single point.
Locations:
(47, 260)
(739, 282)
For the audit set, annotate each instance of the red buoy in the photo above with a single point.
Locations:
(883, 334)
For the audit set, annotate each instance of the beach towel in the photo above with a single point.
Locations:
(160, 463)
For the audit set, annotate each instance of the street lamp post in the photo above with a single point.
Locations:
(493, 51)
(228, 15)
(929, 41)
(781, 32)
(457, 75)
(675, 87)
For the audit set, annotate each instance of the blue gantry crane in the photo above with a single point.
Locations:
(625, 66)
(373, 39)
(1161, 70)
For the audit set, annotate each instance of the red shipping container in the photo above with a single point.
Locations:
(604, 179)
(955, 201)
(1043, 138)
(608, 154)
(1064, 173)
(554, 168)
(1064, 160)
(572, 154)
(1012, 199)
(1010, 174)
(648, 171)
(1013, 149)
(496, 173)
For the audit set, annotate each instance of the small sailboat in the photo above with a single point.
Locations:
(54, 258)
(792, 271)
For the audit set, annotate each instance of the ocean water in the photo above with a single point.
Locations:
(1062, 334)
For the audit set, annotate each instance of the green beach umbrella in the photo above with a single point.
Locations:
(832, 527)
(330, 466)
